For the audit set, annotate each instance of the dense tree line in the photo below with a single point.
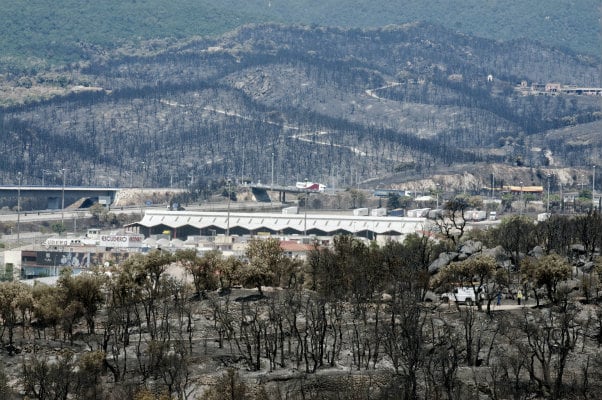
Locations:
(61, 36)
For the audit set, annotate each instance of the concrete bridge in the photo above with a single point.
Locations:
(260, 191)
(51, 197)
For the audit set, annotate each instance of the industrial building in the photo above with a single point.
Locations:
(182, 224)
(227, 232)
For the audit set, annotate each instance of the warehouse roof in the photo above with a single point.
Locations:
(324, 224)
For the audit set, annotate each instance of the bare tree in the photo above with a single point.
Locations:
(452, 221)
(551, 336)
(47, 380)
(229, 386)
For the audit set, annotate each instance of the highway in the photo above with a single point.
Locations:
(70, 214)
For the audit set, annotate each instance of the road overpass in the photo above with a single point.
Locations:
(51, 197)
(260, 191)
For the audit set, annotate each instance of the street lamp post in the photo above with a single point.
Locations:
(131, 175)
(228, 214)
(19, 210)
(548, 206)
(521, 198)
(594, 186)
(305, 210)
(143, 173)
(63, 199)
(242, 171)
(272, 171)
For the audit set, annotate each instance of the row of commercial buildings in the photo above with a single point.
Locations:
(203, 231)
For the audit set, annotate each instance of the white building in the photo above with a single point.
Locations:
(182, 224)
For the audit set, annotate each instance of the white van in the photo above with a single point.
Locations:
(461, 294)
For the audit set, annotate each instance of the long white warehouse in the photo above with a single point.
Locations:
(182, 224)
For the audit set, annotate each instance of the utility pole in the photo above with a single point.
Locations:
(272, 187)
(143, 173)
(242, 172)
(548, 206)
(521, 198)
(63, 200)
(305, 209)
(594, 186)
(228, 217)
(19, 176)
(561, 197)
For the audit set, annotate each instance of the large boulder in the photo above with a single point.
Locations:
(586, 267)
(498, 253)
(537, 252)
(471, 247)
(443, 260)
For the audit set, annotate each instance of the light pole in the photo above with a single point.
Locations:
(521, 198)
(228, 214)
(272, 171)
(242, 172)
(594, 186)
(63, 199)
(437, 191)
(143, 173)
(305, 210)
(548, 206)
(19, 210)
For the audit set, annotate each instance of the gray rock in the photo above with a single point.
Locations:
(463, 256)
(443, 260)
(499, 255)
(588, 267)
(536, 252)
(471, 247)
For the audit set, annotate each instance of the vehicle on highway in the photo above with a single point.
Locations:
(313, 186)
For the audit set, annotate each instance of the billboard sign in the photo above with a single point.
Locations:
(56, 260)
(63, 259)
(120, 240)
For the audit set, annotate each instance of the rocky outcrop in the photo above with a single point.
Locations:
(443, 260)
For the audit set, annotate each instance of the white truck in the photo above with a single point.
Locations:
(462, 294)
(361, 212)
